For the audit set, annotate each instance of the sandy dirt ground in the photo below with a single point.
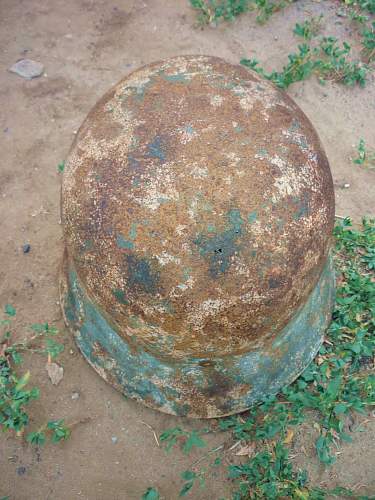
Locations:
(87, 46)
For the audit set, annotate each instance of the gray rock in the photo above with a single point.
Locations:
(21, 471)
(27, 68)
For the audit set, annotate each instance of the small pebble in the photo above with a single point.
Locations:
(26, 248)
(114, 439)
(29, 283)
(27, 68)
(346, 186)
(75, 395)
(21, 470)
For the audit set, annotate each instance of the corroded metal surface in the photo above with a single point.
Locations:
(197, 209)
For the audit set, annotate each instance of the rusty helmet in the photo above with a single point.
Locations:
(197, 207)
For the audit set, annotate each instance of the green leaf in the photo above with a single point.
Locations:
(322, 448)
(334, 386)
(16, 357)
(170, 436)
(151, 494)
(59, 430)
(193, 440)
(61, 167)
(186, 488)
(37, 438)
(340, 408)
(23, 381)
(53, 348)
(188, 475)
(9, 310)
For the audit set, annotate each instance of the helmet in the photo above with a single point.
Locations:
(197, 207)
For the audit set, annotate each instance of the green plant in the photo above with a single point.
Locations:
(270, 475)
(266, 9)
(368, 42)
(188, 439)
(364, 157)
(338, 382)
(327, 60)
(309, 28)
(355, 14)
(190, 478)
(14, 394)
(365, 5)
(213, 11)
(299, 67)
(61, 167)
(335, 66)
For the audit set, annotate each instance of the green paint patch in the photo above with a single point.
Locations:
(133, 231)
(139, 91)
(262, 153)
(302, 207)
(162, 200)
(252, 217)
(186, 273)
(167, 306)
(87, 245)
(299, 140)
(134, 143)
(156, 149)
(141, 276)
(280, 224)
(218, 249)
(134, 322)
(301, 212)
(177, 77)
(127, 244)
(294, 126)
(189, 129)
(123, 243)
(120, 296)
(235, 219)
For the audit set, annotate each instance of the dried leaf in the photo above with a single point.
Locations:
(246, 450)
(55, 372)
(289, 436)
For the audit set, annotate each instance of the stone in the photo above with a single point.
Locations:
(27, 68)
(197, 208)
(55, 373)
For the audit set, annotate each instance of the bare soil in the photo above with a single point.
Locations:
(86, 47)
